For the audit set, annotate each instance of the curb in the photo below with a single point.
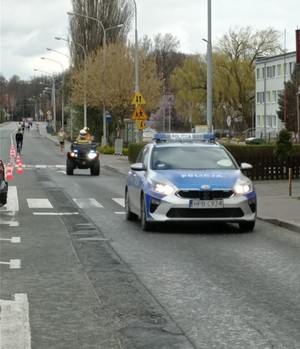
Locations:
(281, 224)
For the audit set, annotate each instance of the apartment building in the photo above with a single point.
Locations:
(271, 73)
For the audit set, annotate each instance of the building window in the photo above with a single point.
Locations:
(271, 71)
(274, 96)
(259, 97)
(268, 96)
(274, 121)
(291, 67)
(279, 70)
(258, 71)
(258, 120)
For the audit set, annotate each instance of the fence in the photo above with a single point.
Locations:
(270, 168)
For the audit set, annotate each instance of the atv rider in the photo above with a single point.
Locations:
(83, 137)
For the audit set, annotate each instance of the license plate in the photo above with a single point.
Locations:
(206, 204)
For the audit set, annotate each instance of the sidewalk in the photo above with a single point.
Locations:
(275, 205)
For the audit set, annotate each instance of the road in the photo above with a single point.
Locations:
(76, 274)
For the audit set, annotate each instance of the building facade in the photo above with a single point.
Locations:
(271, 73)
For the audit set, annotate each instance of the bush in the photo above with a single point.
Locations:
(133, 151)
(284, 147)
(110, 150)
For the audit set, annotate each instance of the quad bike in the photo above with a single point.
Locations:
(83, 156)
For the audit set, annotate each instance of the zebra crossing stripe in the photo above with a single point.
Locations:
(14, 322)
(87, 202)
(39, 203)
(12, 200)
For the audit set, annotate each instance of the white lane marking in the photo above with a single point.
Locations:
(12, 200)
(120, 213)
(13, 240)
(13, 263)
(54, 213)
(10, 223)
(14, 323)
(87, 202)
(120, 201)
(39, 203)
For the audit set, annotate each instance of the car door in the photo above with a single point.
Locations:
(137, 180)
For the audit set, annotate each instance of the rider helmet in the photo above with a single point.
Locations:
(82, 134)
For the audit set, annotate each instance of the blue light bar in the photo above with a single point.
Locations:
(184, 137)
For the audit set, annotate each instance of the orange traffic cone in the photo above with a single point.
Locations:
(20, 168)
(18, 159)
(12, 153)
(9, 172)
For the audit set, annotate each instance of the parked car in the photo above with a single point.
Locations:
(255, 140)
(3, 185)
(189, 177)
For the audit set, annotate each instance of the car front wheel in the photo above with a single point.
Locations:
(146, 225)
(247, 226)
(130, 216)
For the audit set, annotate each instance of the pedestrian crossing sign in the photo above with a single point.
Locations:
(139, 114)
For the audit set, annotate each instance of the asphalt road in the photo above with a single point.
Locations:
(76, 274)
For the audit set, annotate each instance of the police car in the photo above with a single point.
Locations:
(189, 177)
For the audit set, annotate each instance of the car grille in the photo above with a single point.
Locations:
(205, 194)
(205, 213)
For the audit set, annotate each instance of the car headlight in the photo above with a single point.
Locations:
(162, 188)
(92, 155)
(243, 188)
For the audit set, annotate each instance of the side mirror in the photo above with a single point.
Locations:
(245, 166)
(138, 166)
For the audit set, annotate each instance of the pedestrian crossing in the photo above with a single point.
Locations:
(43, 203)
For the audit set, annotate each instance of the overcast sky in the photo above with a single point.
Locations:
(28, 27)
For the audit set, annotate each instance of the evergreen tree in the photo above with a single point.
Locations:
(287, 101)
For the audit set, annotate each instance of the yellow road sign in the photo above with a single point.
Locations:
(139, 114)
(140, 124)
(138, 99)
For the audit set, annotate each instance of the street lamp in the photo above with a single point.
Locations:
(52, 95)
(39, 105)
(209, 68)
(85, 103)
(62, 91)
(51, 49)
(298, 114)
(103, 62)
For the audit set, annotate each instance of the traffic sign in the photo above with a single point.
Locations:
(140, 124)
(138, 99)
(139, 114)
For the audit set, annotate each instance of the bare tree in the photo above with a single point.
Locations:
(89, 33)
(164, 48)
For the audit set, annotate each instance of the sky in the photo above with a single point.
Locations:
(29, 27)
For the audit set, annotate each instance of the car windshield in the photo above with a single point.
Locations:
(191, 157)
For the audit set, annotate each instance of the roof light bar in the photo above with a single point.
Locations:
(184, 137)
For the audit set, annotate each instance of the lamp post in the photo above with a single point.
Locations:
(103, 63)
(39, 105)
(298, 114)
(209, 68)
(62, 91)
(136, 46)
(51, 49)
(52, 96)
(84, 103)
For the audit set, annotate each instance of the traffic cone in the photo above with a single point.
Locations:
(12, 153)
(18, 159)
(9, 172)
(20, 168)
